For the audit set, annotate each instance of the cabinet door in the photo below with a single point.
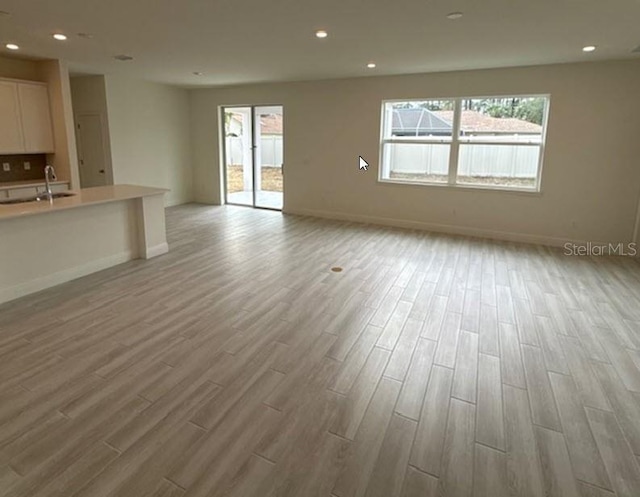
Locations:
(36, 118)
(11, 138)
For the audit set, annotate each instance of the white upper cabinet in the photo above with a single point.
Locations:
(25, 118)
(36, 118)
(11, 136)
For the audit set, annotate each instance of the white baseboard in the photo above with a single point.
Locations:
(32, 286)
(156, 250)
(439, 228)
(178, 201)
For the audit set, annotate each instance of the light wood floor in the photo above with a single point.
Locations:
(240, 365)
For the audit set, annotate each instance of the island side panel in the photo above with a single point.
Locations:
(43, 250)
(152, 231)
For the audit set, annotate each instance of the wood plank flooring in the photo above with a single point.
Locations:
(239, 364)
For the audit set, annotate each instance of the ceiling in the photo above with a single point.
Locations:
(244, 41)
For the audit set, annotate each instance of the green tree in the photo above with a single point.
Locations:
(527, 109)
(531, 110)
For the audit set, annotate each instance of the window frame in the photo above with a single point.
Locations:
(454, 142)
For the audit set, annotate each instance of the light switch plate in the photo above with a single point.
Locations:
(27, 166)
(6, 167)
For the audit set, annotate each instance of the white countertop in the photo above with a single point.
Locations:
(14, 185)
(82, 198)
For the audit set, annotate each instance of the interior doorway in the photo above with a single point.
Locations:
(92, 152)
(253, 144)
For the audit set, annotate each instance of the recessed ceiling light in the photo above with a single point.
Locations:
(371, 65)
(12, 46)
(589, 48)
(88, 36)
(60, 36)
(198, 73)
(454, 15)
(321, 33)
(123, 57)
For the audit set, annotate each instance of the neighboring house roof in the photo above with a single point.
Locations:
(472, 121)
(418, 122)
(270, 124)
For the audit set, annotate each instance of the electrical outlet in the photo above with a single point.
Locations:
(27, 166)
(6, 167)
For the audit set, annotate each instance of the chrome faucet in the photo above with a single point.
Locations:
(49, 175)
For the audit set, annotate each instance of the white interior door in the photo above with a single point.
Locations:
(92, 159)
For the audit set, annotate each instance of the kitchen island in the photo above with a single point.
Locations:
(46, 243)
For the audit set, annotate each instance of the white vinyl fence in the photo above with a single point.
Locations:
(506, 161)
(474, 160)
(271, 150)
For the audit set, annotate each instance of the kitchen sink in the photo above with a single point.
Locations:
(39, 198)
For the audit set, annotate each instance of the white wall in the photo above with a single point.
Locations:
(89, 94)
(149, 129)
(591, 171)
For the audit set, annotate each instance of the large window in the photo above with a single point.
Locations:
(492, 142)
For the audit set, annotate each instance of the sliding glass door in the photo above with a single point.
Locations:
(253, 156)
